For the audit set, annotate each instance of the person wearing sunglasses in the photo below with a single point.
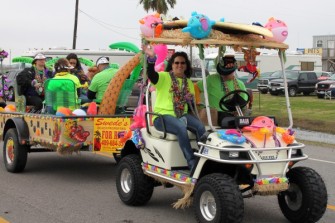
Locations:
(175, 93)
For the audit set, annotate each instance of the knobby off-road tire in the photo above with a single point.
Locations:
(133, 186)
(14, 154)
(306, 198)
(217, 198)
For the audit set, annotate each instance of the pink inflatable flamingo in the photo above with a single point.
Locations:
(161, 51)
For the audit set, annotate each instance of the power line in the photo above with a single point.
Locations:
(107, 26)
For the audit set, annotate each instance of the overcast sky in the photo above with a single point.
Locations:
(39, 24)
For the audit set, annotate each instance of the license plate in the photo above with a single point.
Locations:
(268, 155)
(321, 92)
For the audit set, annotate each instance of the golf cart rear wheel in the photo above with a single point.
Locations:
(306, 198)
(14, 154)
(133, 186)
(217, 198)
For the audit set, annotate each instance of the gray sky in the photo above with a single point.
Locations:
(39, 24)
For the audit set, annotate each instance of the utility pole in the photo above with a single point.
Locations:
(75, 26)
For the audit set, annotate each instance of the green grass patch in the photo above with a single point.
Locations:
(309, 112)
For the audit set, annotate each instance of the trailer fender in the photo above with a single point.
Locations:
(21, 127)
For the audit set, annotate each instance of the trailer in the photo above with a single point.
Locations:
(269, 62)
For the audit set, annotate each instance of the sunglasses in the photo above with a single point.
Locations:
(182, 63)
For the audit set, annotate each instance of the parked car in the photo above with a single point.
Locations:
(323, 75)
(324, 86)
(11, 76)
(264, 82)
(244, 77)
(197, 73)
(297, 82)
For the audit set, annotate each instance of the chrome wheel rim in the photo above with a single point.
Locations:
(126, 181)
(208, 205)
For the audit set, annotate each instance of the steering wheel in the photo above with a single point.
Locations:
(229, 101)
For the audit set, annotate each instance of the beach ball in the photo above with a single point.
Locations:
(62, 111)
(79, 112)
(10, 108)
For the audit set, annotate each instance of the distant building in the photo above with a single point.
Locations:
(327, 44)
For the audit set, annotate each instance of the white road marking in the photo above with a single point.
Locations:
(324, 161)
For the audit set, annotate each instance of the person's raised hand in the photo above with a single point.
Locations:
(148, 50)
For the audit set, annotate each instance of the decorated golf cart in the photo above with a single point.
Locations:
(243, 157)
(62, 125)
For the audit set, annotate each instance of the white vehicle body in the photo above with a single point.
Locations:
(271, 62)
(115, 56)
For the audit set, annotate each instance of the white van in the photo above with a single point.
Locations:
(115, 56)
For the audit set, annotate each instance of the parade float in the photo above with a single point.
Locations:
(243, 157)
(66, 128)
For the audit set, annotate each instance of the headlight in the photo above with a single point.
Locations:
(332, 86)
(234, 154)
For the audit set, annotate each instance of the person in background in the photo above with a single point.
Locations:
(63, 71)
(103, 63)
(101, 80)
(80, 74)
(175, 91)
(220, 84)
(31, 80)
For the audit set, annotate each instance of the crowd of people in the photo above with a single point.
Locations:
(176, 93)
(90, 86)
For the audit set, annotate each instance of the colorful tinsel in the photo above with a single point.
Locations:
(172, 174)
(271, 180)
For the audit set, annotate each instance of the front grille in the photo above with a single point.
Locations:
(264, 81)
(323, 86)
(275, 85)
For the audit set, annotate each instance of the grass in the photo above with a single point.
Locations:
(309, 112)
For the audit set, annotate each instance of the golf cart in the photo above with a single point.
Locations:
(243, 157)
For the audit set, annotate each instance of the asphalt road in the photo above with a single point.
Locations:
(81, 188)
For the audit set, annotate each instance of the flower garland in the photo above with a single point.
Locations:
(180, 96)
(3, 54)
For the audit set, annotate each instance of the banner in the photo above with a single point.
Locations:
(107, 132)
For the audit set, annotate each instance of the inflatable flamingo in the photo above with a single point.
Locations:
(161, 51)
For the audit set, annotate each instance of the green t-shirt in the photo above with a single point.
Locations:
(216, 90)
(100, 83)
(164, 98)
(70, 77)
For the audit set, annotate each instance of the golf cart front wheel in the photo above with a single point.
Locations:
(306, 198)
(133, 186)
(217, 198)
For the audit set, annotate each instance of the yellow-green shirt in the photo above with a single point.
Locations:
(164, 98)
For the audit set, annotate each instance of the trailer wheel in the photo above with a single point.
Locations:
(306, 198)
(133, 186)
(14, 154)
(217, 198)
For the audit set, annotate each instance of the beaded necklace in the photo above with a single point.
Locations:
(40, 77)
(225, 86)
(180, 96)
